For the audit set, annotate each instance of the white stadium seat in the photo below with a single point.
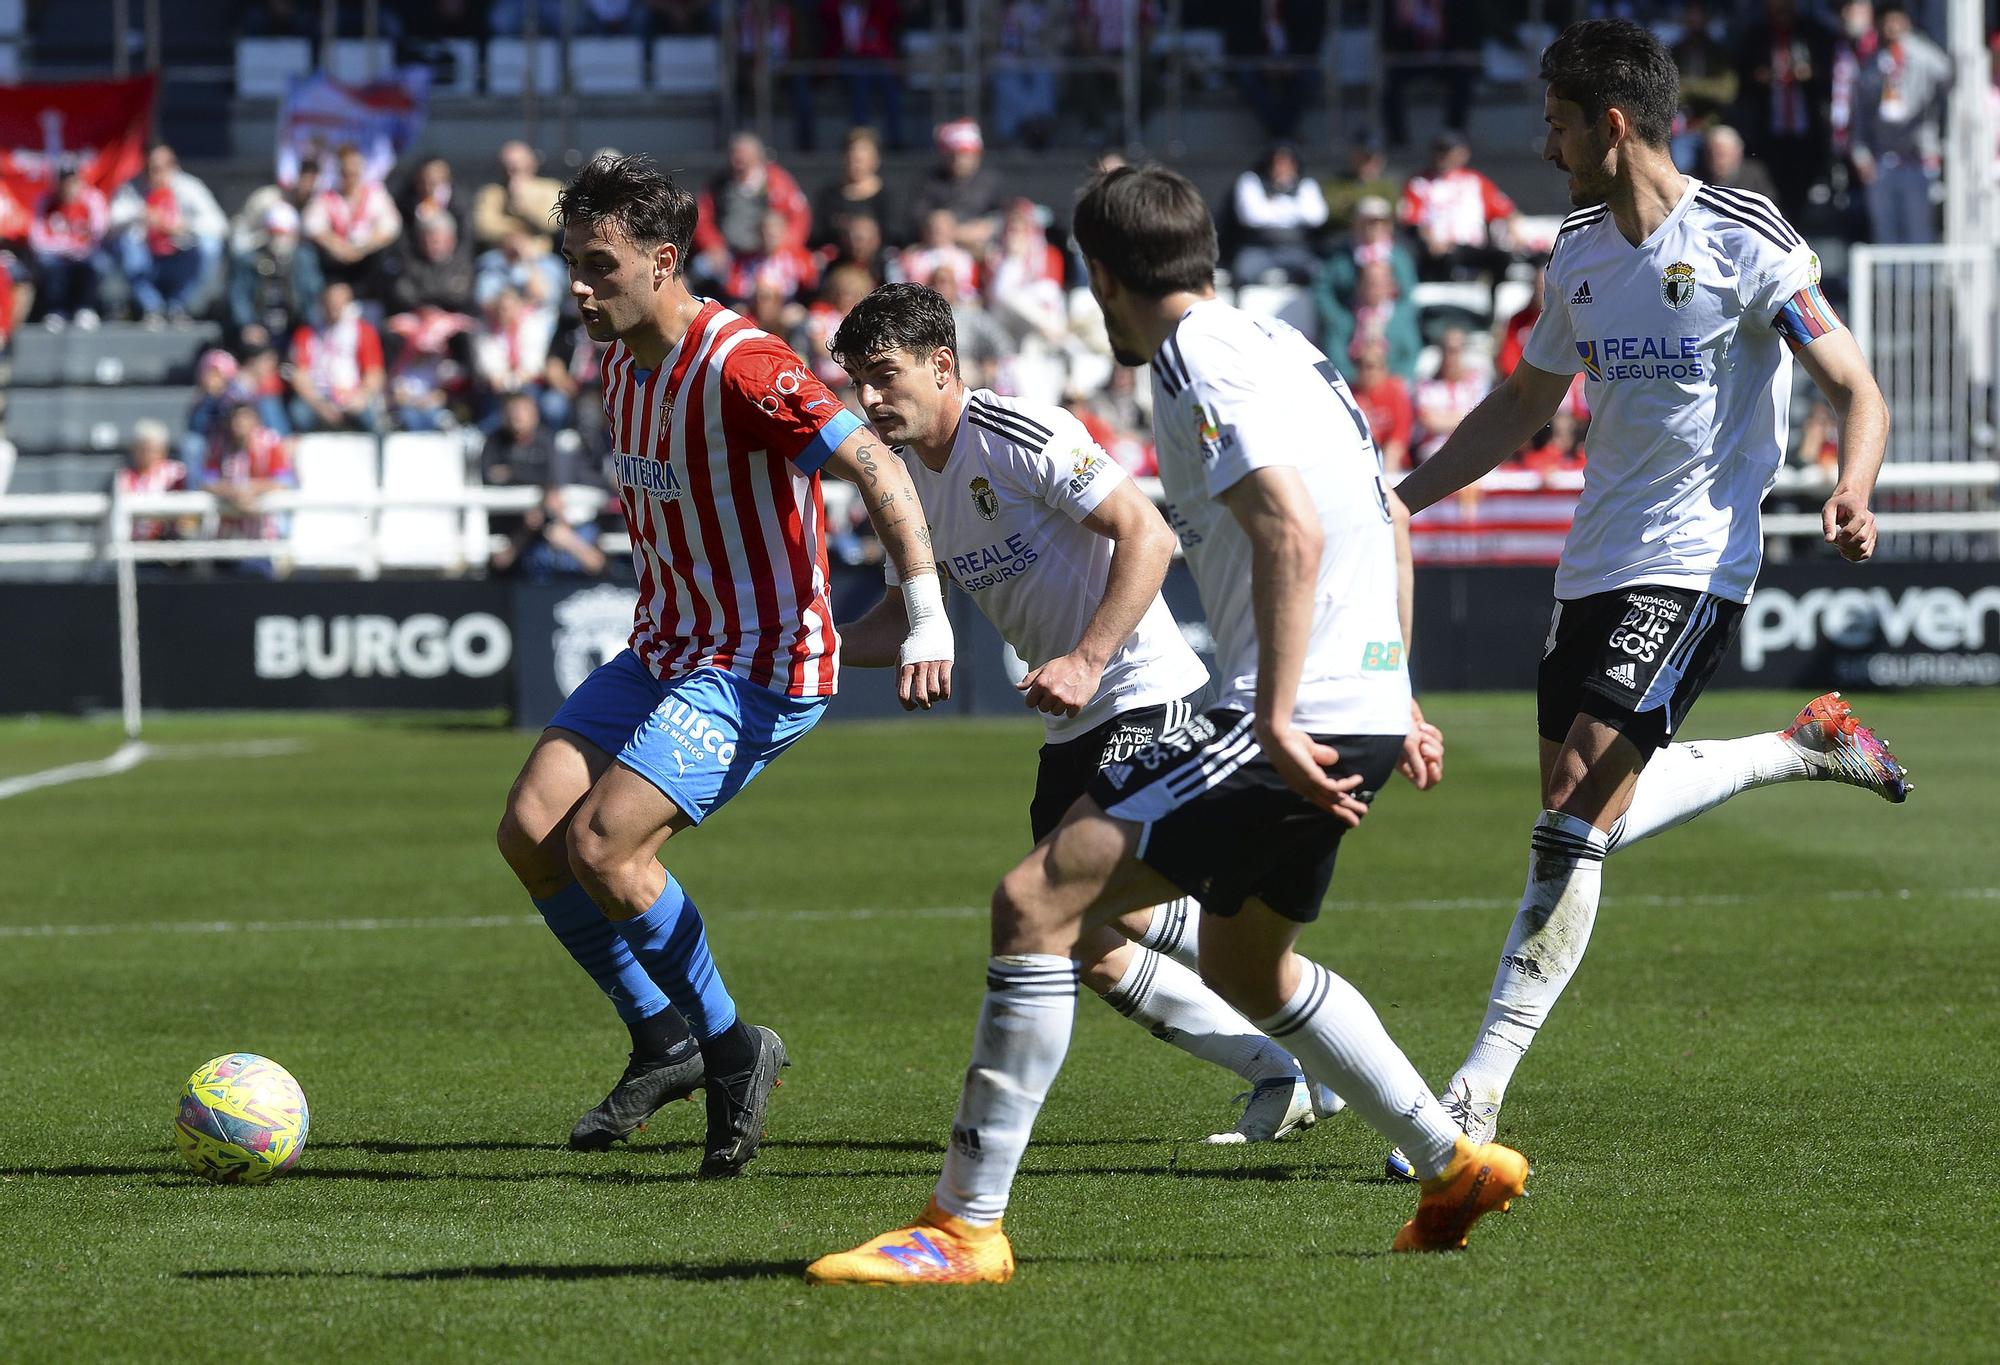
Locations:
(334, 465)
(507, 66)
(264, 66)
(687, 66)
(356, 61)
(607, 66)
(1510, 297)
(423, 464)
(1286, 302)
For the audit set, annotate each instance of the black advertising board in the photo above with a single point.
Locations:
(58, 647)
(338, 645)
(233, 644)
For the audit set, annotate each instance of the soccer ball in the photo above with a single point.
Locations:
(242, 1120)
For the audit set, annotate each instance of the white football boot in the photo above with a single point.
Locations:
(1276, 1107)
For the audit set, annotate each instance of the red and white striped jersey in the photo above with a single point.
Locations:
(165, 476)
(716, 455)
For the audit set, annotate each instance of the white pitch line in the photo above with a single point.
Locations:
(128, 757)
(134, 752)
(375, 924)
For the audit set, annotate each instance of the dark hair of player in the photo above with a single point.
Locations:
(1149, 228)
(1601, 63)
(895, 317)
(635, 195)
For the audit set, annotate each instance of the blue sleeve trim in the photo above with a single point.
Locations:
(820, 449)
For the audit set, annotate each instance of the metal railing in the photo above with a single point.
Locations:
(110, 515)
(1928, 319)
(113, 516)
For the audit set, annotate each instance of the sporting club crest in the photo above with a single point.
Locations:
(592, 626)
(1677, 284)
(984, 499)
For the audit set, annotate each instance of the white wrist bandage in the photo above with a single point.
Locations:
(930, 629)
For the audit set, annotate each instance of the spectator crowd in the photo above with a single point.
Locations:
(425, 305)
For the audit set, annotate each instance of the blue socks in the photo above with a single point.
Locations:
(671, 945)
(575, 919)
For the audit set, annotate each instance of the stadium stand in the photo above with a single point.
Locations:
(1163, 82)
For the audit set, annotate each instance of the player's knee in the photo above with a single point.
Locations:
(593, 859)
(524, 843)
(1020, 916)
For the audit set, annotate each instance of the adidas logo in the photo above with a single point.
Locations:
(1625, 673)
(1582, 294)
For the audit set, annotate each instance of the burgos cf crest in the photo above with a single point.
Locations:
(985, 499)
(1677, 284)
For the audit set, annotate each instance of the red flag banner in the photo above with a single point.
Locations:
(100, 127)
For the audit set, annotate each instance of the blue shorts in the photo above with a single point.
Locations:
(699, 739)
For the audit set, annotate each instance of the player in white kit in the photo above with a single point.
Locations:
(1064, 554)
(1682, 304)
(1275, 492)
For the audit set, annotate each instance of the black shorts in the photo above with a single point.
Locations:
(1217, 821)
(1635, 659)
(1064, 770)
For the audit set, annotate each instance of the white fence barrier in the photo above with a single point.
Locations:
(1928, 319)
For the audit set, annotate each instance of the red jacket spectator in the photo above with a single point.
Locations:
(72, 226)
(1561, 453)
(336, 371)
(339, 357)
(1453, 205)
(860, 28)
(150, 470)
(1515, 340)
(793, 269)
(1384, 399)
(249, 460)
(731, 208)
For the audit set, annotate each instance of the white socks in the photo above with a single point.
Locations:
(1335, 1033)
(1683, 780)
(1172, 1004)
(1565, 874)
(1024, 1029)
(1551, 930)
(1176, 931)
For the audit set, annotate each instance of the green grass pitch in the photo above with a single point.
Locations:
(1761, 1120)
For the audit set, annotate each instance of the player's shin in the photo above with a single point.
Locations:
(581, 928)
(1550, 932)
(1171, 1003)
(1024, 1029)
(671, 944)
(1175, 929)
(1682, 781)
(1337, 1036)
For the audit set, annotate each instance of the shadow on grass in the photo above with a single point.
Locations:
(172, 1177)
(750, 1270)
(738, 1270)
(398, 1148)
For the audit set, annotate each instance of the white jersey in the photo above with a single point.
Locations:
(1233, 393)
(1681, 340)
(1006, 516)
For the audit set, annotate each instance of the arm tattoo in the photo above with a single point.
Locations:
(865, 458)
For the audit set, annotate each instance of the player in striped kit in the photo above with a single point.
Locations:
(719, 434)
(1065, 556)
